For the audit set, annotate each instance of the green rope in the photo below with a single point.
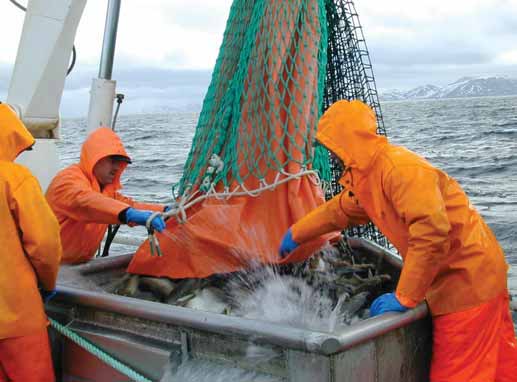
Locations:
(99, 353)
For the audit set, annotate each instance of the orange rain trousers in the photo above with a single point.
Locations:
(475, 345)
(26, 358)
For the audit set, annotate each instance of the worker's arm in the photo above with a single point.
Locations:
(72, 195)
(416, 194)
(39, 230)
(139, 206)
(338, 213)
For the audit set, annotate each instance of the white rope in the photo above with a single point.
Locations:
(187, 202)
(178, 209)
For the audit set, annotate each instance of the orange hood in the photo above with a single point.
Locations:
(348, 129)
(14, 136)
(101, 143)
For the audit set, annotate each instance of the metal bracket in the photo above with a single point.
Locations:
(185, 346)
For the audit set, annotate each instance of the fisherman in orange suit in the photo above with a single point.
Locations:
(30, 255)
(452, 259)
(86, 200)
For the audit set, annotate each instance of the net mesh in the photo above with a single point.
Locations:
(262, 106)
(349, 76)
(280, 65)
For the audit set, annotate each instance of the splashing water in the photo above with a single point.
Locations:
(263, 294)
(286, 300)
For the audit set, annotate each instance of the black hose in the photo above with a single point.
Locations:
(112, 231)
(18, 5)
(72, 64)
(120, 98)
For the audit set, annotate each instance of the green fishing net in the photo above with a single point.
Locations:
(280, 65)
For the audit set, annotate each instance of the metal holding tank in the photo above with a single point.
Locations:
(148, 335)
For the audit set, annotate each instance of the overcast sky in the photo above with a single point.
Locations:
(166, 49)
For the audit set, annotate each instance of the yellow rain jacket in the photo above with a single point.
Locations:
(83, 210)
(451, 257)
(29, 236)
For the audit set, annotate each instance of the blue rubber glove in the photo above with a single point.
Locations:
(140, 217)
(386, 303)
(288, 244)
(47, 295)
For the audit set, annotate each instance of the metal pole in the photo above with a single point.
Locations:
(103, 90)
(372, 328)
(110, 39)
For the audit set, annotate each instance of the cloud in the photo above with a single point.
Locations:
(140, 100)
(180, 34)
(141, 77)
(410, 42)
(404, 53)
(161, 33)
(416, 42)
(11, 23)
(509, 57)
(146, 90)
(201, 15)
(5, 76)
(407, 77)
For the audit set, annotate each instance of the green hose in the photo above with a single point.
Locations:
(99, 353)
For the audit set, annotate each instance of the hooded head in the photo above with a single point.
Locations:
(103, 143)
(349, 130)
(14, 136)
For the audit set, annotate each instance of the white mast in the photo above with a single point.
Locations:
(38, 78)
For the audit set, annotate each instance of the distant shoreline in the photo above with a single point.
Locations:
(444, 99)
(465, 87)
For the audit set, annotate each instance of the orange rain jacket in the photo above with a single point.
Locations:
(29, 236)
(83, 210)
(451, 257)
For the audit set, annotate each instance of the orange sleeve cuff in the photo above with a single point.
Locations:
(149, 206)
(406, 301)
(326, 218)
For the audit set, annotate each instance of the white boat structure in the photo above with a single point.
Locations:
(149, 335)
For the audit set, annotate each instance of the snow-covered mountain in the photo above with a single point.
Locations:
(464, 87)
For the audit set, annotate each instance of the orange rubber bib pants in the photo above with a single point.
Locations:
(475, 345)
(26, 358)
